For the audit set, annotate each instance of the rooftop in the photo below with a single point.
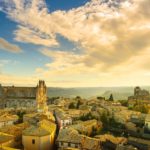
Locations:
(48, 125)
(43, 128)
(5, 137)
(90, 143)
(61, 114)
(35, 131)
(8, 117)
(139, 140)
(15, 130)
(115, 140)
(85, 125)
(69, 135)
(72, 136)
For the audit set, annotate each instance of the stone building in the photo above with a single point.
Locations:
(140, 94)
(17, 97)
(18, 92)
(86, 127)
(41, 97)
(19, 103)
(7, 119)
(41, 133)
(70, 138)
(40, 136)
(62, 119)
(16, 132)
(20, 97)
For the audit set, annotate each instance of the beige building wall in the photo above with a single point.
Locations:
(27, 142)
(41, 143)
(45, 143)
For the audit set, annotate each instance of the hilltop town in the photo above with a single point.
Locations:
(74, 75)
(31, 120)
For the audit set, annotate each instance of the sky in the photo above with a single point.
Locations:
(75, 43)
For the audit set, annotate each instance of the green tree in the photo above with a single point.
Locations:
(94, 131)
(72, 105)
(78, 97)
(124, 103)
(86, 117)
(111, 97)
(78, 104)
(141, 108)
(105, 121)
(101, 98)
(20, 114)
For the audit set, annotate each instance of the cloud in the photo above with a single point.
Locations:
(26, 35)
(35, 21)
(61, 59)
(99, 27)
(5, 45)
(8, 79)
(113, 37)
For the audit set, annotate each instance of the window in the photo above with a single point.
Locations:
(76, 146)
(33, 141)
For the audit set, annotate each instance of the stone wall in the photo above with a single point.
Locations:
(17, 97)
(140, 94)
(17, 103)
(18, 92)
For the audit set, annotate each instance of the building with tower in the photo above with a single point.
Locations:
(140, 94)
(40, 135)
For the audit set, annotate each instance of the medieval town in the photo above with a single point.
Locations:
(31, 120)
(74, 74)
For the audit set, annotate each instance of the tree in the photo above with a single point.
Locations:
(20, 114)
(86, 117)
(141, 108)
(124, 103)
(78, 97)
(72, 105)
(111, 97)
(94, 131)
(78, 104)
(104, 118)
(100, 98)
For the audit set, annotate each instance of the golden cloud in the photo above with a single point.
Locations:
(5, 45)
(113, 38)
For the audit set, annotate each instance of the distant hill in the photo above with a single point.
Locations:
(119, 93)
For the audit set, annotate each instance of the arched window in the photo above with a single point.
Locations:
(33, 141)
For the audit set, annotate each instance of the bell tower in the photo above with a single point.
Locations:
(41, 97)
